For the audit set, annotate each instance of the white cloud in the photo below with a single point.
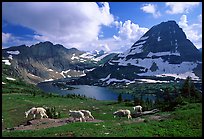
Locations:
(151, 8)
(180, 7)
(9, 39)
(5, 37)
(128, 34)
(67, 23)
(183, 21)
(192, 31)
(130, 31)
(200, 18)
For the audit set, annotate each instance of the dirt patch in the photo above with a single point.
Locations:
(159, 117)
(37, 124)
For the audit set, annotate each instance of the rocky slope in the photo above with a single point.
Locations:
(162, 54)
(45, 61)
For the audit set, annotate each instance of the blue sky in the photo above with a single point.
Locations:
(111, 26)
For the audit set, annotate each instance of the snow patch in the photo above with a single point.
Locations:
(74, 57)
(62, 73)
(181, 75)
(9, 78)
(136, 50)
(13, 52)
(6, 62)
(48, 80)
(83, 74)
(103, 79)
(159, 39)
(163, 54)
(3, 83)
(144, 38)
(10, 57)
(140, 43)
(90, 69)
(116, 80)
(87, 55)
(49, 70)
(100, 57)
(176, 70)
(151, 81)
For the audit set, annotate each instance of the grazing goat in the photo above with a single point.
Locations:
(121, 113)
(137, 108)
(38, 110)
(87, 114)
(77, 114)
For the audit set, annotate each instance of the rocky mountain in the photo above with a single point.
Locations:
(45, 61)
(162, 54)
(200, 50)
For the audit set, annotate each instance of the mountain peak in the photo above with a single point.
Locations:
(46, 43)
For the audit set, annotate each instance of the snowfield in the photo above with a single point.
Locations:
(6, 62)
(48, 80)
(13, 52)
(162, 54)
(164, 68)
(12, 79)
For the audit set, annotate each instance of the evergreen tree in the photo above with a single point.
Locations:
(136, 101)
(120, 99)
(185, 91)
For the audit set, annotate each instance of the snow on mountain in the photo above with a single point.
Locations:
(163, 52)
(94, 55)
(6, 62)
(9, 78)
(13, 52)
(48, 80)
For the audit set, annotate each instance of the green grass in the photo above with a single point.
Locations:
(185, 121)
(18, 97)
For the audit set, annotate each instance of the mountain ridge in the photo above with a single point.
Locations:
(163, 54)
(45, 61)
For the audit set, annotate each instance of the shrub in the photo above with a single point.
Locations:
(52, 113)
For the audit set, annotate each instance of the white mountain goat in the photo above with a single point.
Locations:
(38, 110)
(137, 108)
(121, 113)
(77, 114)
(87, 114)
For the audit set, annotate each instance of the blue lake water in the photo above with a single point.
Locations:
(99, 93)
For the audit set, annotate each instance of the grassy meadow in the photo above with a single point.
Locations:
(18, 97)
(185, 121)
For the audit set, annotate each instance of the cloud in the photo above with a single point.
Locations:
(67, 23)
(9, 39)
(151, 8)
(5, 37)
(192, 31)
(129, 31)
(180, 7)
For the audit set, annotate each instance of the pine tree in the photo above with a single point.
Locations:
(136, 100)
(120, 99)
(186, 88)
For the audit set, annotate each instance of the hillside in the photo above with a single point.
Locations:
(18, 97)
(162, 54)
(185, 121)
(45, 61)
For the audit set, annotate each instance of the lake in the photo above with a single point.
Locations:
(96, 92)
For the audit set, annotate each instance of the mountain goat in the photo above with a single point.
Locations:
(77, 114)
(87, 114)
(137, 108)
(38, 110)
(121, 113)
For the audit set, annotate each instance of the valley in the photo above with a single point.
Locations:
(161, 70)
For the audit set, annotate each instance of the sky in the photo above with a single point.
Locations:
(88, 26)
